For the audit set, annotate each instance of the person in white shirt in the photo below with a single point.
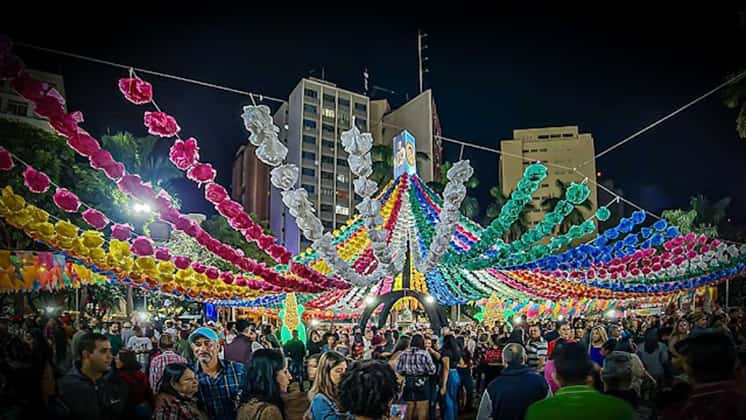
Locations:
(141, 346)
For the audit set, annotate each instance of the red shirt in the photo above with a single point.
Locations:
(712, 401)
(138, 389)
(552, 344)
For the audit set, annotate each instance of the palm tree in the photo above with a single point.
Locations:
(383, 162)
(139, 156)
(521, 224)
(709, 213)
(575, 217)
(735, 97)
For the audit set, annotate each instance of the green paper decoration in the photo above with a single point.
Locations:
(577, 193)
(603, 214)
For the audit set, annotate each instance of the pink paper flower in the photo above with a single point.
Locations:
(101, 159)
(161, 124)
(142, 246)
(226, 277)
(241, 281)
(162, 254)
(183, 223)
(132, 184)
(67, 125)
(212, 273)
(184, 153)
(170, 215)
(163, 201)
(121, 232)
(199, 267)
(181, 262)
(229, 209)
(95, 218)
(254, 231)
(35, 181)
(28, 87)
(240, 222)
(215, 193)
(50, 107)
(66, 200)
(266, 241)
(136, 90)
(6, 160)
(201, 173)
(83, 144)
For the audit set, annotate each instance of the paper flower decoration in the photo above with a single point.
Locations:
(201, 173)
(35, 181)
(142, 246)
(161, 124)
(577, 193)
(162, 254)
(6, 160)
(603, 214)
(95, 218)
(132, 184)
(215, 193)
(66, 200)
(184, 153)
(136, 90)
(83, 144)
(121, 232)
(284, 177)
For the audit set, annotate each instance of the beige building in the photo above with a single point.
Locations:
(17, 108)
(563, 146)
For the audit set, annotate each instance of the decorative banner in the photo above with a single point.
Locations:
(405, 155)
(291, 315)
(27, 271)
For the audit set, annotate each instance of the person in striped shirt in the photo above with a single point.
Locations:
(159, 363)
(536, 348)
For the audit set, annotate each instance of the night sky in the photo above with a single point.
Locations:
(610, 72)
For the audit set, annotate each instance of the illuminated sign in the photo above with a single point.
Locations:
(404, 154)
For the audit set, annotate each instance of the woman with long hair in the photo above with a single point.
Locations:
(596, 342)
(401, 344)
(139, 398)
(680, 332)
(367, 390)
(323, 393)
(343, 346)
(177, 395)
(267, 377)
(450, 355)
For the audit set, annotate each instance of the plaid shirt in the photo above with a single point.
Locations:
(415, 362)
(158, 365)
(221, 392)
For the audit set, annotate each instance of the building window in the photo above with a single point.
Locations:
(542, 150)
(16, 108)
(544, 185)
(309, 139)
(327, 159)
(361, 123)
(343, 210)
(310, 93)
(309, 155)
(327, 143)
(343, 195)
(326, 207)
(309, 172)
(310, 108)
(543, 136)
(361, 107)
(567, 135)
(344, 102)
(327, 192)
(329, 98)
(533, 150)
(328, 129)
(341, 178)
(341, 162)
(310, 188)
(327, 175)
(309, 124)
(326, 112)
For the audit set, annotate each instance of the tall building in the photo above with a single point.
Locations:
(311, 124)
(250, 182)
(17, 108)
(553, 145)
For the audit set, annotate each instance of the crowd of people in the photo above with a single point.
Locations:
(672, 366)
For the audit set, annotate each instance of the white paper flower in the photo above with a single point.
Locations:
(460, 172)
(284, 177)
(272, 152)
(356, 143)
(364, 187)
(454, 193)
(361, 165)
(369, 207)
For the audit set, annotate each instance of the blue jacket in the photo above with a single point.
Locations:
(509, 395)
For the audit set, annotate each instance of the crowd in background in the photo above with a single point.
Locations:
(673, 366)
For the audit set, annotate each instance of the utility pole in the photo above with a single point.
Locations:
(421, 57)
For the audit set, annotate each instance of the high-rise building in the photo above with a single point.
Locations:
(311, 124)
(251, 182)
(562, 146)
(16, 108)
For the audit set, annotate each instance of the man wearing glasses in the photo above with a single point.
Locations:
(219, 380)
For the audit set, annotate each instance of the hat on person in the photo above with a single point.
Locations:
(203, 332)
(617, 365)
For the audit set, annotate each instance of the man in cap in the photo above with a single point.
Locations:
(710, 361)
(219, 380)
